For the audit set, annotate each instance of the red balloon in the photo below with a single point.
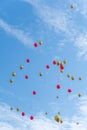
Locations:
(23, 114)
(47, 66)
(69, 90)
(35, 44)
(58, 86)
(34, 92)
(26, 76)
(61, 67)
(31, 117)
(54, 62)
(27, 60)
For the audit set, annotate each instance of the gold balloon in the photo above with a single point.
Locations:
(58, 113)
(11, 80)
(61, 71)
(40, 42)
(41, 74)
(21, 67)
(64, 61)
(17, 109)
(68, 75)
(58, 62)
(57, 96)
(11, 108)
(57, 118)
(46, 113)
(71, 6)
(80, 78)
(79, 95)
(77, 123)
(72, 77)
(61, 121)
(13, 74)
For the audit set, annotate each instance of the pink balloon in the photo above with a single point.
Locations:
(58, 86)
(35, 44)
(23, 114)
(69, 90)
(61, 67)
(34, 92)
(26, 76)
(47, 66)
(27, 60)
(54, 62)
(31, 117)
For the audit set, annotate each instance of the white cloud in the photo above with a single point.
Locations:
(11, 120)
(81, 7)
(22, 36)
(53, 17)
(81, 44)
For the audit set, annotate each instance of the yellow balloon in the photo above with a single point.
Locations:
(40, 42)
(11, 80)
(57, 118)
(61, 121)
(68, 75)
(17, 109)
(41, 74)
(64, 61)
(13, 74)
(21, 67)
(72, 77)
(71, 6)
(80, 78)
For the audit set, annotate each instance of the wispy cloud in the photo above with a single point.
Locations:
(53, 17)
(11, 120)
(81, 44)
(22, 36)
(63, 21)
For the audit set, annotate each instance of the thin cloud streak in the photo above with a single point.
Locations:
(22, 36)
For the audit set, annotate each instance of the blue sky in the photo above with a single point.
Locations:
(64, 34)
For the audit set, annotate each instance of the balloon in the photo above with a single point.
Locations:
(41, 74)
(72, 77)
(26, 76)
(17, 109)
(11, 108)
(61, 67)
(68, 75)
(57, 118)
(13, 74)
(21, 67)
(11, 80)
(77, 123)
(27, 60)
(61, 71)
(46, 113)
(23, 113)
(58, 62)
(58, 86)
(47, 66)
(54, 62)
(69, 90)
(35, 44)
(40, 42)
(61, 121)
(34, 92)
(57, 96)
(58, 113)
(64, 61)
(31, 117)
(79, 95)
(71, 6)
(80, 78)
